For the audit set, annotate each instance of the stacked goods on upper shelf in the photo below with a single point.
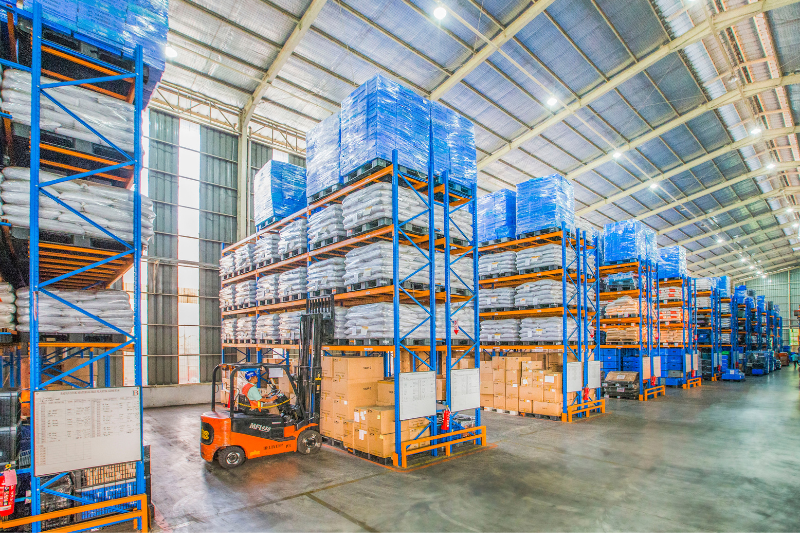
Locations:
(243, 257)
(545, 203)
(268, 327)
(499, 264)
(453, 145)
(226, 265)
(497, 214)
(293, 240)
(672, 262)
(374, 262)
(629, 240)
(724, 286)
(495, 331)
(461, 274)
(121, 25)
(8, 309)
(109, 207)
(244, 293)
(462, 322)
(246, 328)
(626, 307)
(293, 283)
(228, 330)
(289, 326)
(267, 287)
(376, 321)
(496, 298)
(279, 191)
(266, 249)
(670, 294)
(705, 285)
(326, 226)
(110, 117)
(326, 275)
(375, 202)
(322, 156)
(357, 406)
(55, 317)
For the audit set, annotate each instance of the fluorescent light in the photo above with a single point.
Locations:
(720, 239)
(552, 101)
(771, 165)
(440, 12)
(617, 155)
(743, 260)
(763, 276)
(751, 267)
(170, 52)
(796, 225)
(654, 185)
(755, 131)
(789, 209)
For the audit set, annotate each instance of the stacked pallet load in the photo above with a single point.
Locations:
(497, 216)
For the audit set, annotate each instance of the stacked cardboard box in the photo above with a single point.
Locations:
(357, 405)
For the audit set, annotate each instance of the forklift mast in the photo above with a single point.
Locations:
(316, 329)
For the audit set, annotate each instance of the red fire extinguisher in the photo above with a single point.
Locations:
(586, 394)
(9, 487)
(446, 419)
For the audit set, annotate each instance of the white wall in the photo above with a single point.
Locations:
(169, 395)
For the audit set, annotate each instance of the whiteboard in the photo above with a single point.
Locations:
(645, 368)
(76, 429)
(574, 376)
(465, 389)
(657, 366)
(595, 371)
(417, 394)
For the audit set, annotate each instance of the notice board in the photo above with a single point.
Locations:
(465, 390)
(82, 428)
(417, 394)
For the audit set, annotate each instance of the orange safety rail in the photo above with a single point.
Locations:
(345, 347)
(469, 434)
(613, 295)
(518, 279)
(620, 346)
(693, 382)
(521, 313)
(140, 514)
(653, 392)
(528, 347)
(586, 407)
(44, 147)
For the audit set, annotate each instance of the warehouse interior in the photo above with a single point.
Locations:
(491, 265)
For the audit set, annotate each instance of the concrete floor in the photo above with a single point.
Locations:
(722, 457)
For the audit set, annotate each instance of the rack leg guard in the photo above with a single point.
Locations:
(444, 440)
(597, 407)
(694, 382)
(653, 392)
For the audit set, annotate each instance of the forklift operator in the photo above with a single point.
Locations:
(250, 388)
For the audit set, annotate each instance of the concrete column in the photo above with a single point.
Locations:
(243, 189)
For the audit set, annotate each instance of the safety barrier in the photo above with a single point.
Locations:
(139, 514)
(586, 407)
(469, 434)
(653, 392)
(693, 382)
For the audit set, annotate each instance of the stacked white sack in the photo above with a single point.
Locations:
(460, 222)
(109, 207)
(226, 296)
(376, 321)
(54, 317)
(543, 292)
(492, 264)
(245, 293)
(228, 330)
(374, 261)
(8, 310)
(267, 287)
(293, 236)
(246, 328)
(326, 224)
(289, 325)
(292, 282)
(266, 249)
(226, 265)
(375, 202)
(268, 327)
(110, 117)
(499, 330)
(544, 256)
(243, 257)
(490, 298)
(460, 272)
(326, 274)
(547, 329)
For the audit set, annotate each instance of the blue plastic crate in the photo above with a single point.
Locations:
(105, 493)
(609, 351)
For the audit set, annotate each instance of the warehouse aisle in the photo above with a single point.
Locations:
(723, 457)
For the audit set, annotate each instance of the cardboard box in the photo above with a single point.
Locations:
(326, 385)
(499, 401)
(525, 406)
(486, 367)
(498, 363)
(465, 362)
(512, 391)
(530, 366)
(512, 376)
(515, 363)
(386, 392)
(327, 367)
(499, 387)
(487, 400)
(441, 392)
(326, 424)
(552, 394)
(338, 428)
(552, 379)
(487, 387)
(358, 368)
(533, 393)
(547, 408)
(511, 404)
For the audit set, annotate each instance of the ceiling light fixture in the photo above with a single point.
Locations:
(771, 165)
(440, 12)
(170, 52)
(755, 131)
(752, 267)
(552, 101)
(654, 185)
(796, 225)
(617, 155)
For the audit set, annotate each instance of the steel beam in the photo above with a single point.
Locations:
(714, 24)
(490, 47)
(750, 236)
(768, 253)
(746, 236)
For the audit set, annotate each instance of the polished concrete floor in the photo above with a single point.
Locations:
(722, 457)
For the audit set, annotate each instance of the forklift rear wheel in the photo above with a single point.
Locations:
(231, 457)
(309, 441)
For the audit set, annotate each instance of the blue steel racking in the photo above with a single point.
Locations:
(673, 356)
(43, 371)
(579, 310)
(726, 349)
(451, 199)
(647, 290)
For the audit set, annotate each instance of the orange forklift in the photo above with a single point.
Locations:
(246, 430)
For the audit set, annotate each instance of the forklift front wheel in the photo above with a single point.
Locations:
(231, 457)
(308, 442)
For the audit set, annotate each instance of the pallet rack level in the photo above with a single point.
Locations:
(647, 322)
(673, 357)
(434, 355)
(580, 310)
(73, 264)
